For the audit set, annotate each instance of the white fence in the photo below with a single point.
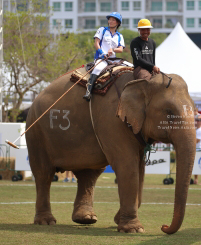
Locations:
(159, 161)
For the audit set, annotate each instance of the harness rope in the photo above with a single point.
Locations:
(148, 147)
(92, 122)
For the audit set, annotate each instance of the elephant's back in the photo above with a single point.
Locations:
(73, 99)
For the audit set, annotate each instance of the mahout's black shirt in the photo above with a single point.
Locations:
(143, 53)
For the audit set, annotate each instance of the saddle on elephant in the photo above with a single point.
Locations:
(106, 78)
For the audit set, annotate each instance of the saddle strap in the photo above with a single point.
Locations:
(92, 122)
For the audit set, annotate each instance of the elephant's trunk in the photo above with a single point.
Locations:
(185, 147)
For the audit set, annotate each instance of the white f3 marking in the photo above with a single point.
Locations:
(55, 117)
(65, 117)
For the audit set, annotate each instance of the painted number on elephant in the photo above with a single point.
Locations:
(54, 115)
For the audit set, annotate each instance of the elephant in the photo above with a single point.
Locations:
(85, 137)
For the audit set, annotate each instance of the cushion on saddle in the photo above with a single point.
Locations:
(103, 82)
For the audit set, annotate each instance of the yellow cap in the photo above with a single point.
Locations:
(144, 23)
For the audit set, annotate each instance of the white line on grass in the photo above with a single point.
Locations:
(147, 203)
(101, 187)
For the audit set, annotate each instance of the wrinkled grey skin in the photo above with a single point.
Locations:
(68, 142)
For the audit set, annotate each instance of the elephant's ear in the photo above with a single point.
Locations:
(131, 106)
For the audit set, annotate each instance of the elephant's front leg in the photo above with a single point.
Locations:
(83, 212)
(141, 182)
(43, 209)
(128, 186)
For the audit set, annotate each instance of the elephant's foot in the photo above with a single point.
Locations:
(133, 226)
(117, 217)
(44, 219)
(84, 215)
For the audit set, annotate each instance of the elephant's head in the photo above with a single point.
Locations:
(164, 114)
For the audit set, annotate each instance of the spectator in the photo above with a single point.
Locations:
(67, 179)
(196, 111)
(198, 139)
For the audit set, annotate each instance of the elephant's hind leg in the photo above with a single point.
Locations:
(43, 209)
(117, 217)
(43, 178)
(83, 212)
(43, 171)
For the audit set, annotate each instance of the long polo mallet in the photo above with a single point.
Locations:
(13, 144)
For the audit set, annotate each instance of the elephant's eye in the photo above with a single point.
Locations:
(169, 111)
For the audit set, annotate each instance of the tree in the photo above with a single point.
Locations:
(33, 55)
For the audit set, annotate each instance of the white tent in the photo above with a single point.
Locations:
(179, 55)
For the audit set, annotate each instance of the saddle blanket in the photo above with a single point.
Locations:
(103, 82)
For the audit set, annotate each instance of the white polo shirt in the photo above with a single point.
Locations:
(109, 40)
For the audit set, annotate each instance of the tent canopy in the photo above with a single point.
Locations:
(178, 54)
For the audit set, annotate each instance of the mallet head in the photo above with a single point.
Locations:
(11, 144)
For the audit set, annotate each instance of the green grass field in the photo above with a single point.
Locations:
(17, 209)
